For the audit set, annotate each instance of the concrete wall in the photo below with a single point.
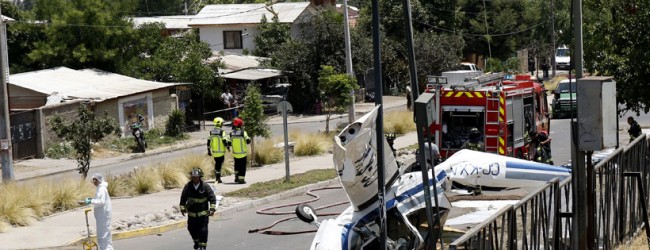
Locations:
(159, 104)
(213, 35)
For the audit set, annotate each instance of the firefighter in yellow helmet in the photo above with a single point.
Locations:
(239, 141)
(474, 142)
(217, 146)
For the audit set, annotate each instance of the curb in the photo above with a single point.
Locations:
(231, 210)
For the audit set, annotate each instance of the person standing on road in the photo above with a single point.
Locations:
(199, 202)
(102, 211)
(540, 139)
(635, 128)
(239, 141)
(217, 147)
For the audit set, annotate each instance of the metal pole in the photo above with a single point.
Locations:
(376, 47)
(5, 126)
(286, 139)
(578, 157)
(421, 139)
(553, 62)
(348, 57)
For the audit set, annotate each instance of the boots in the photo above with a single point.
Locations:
(218, 178)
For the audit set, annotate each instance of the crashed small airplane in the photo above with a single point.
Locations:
(355, 160)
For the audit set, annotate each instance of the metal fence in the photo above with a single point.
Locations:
(543, 219)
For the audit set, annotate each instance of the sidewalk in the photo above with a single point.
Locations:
(68, 228)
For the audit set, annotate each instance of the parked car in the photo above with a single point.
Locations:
(562, 58)
(565, 98)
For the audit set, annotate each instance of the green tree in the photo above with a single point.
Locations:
(335, 89)
(616, 44)
(321, 43)
(82, 132)
(271, 35)
(81, 33)
(253, 115)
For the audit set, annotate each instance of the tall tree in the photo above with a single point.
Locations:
(81, 33)
(82, 132)
(21, 37)
(616, 44)
(335, 89)
(321, 43)
(271, 36)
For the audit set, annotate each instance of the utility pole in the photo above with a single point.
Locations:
(553, 62)
(379, 86)
(5, 133)
(348, 57)
(579, 174)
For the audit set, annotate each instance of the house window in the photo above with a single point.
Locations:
(232, 40)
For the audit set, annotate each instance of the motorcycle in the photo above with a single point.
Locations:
(136, 131)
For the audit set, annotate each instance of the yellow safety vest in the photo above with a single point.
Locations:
(238, 139)
(217, 146)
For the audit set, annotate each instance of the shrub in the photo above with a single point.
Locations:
(118, 185)
(204, 162)
(175, 123)
(399, 122)
(41, 193)
(493, 65)
(145, 181)
(14, 206)
(170, 176)
(266, 152)
(311, 144)
(513, 64)
(60, 151)
(65, 195)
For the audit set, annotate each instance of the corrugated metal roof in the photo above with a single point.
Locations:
(171, 22)
(252, 74)
(223, 14)
(83, 84)
(237, 62)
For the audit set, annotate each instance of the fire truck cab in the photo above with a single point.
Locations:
(502, 110)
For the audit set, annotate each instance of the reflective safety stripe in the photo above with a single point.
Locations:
(216, 143)
(238, 141)
(196, 200)
(202, 213)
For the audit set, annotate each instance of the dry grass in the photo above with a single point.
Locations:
(118, 186)
(311, 144)
(41, 203)
(171, 176)
(639, 242)
(204, 162)
(14, 208)
(266, 152)
(551, 84)
(66, 194)
(145, 180)
(399, 122)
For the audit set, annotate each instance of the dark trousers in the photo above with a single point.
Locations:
(218, 163)
(240, 168)
(198, 227)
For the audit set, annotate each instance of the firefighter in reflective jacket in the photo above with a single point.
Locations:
(198, 201)
(474, 142)
(239, 141)
(217, 147)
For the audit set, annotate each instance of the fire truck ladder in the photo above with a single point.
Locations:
(492, 119)
(479, 81)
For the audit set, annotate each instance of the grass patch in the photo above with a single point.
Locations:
(155, 138)
(311, 144)
(266, 153)
(202, 161)
(61, 150)
(67, 193)
(264, 189)
(14, 208)
(639, 242)
(551, 84)
(399, 122)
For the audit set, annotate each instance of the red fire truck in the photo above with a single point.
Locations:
(502, 110)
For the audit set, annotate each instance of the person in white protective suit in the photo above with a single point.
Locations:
(102, 211)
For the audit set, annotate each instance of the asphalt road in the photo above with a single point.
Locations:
(232, 231)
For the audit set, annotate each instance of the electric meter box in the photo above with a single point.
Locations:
(597, 114)
(425, 108)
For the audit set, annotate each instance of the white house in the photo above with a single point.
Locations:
(233, 27)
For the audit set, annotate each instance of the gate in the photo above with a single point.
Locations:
(23, 134)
